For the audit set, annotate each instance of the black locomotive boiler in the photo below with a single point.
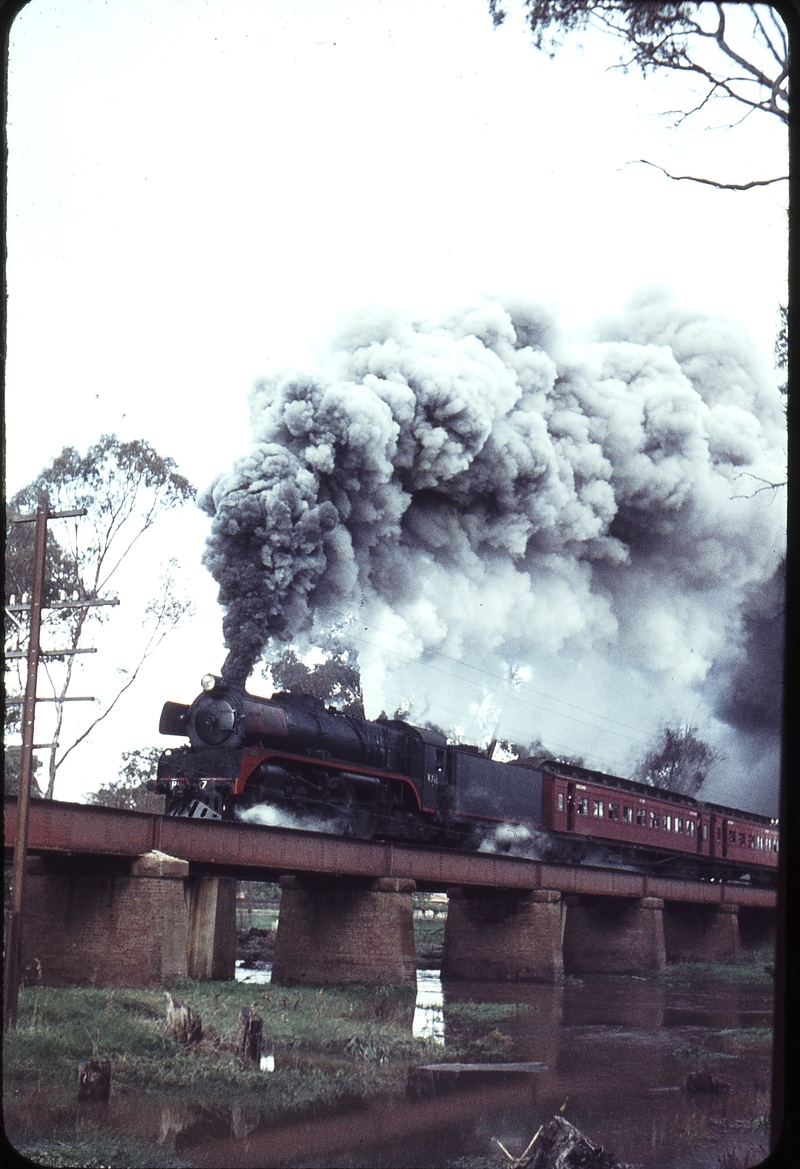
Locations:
(389, 780)
(383, 778)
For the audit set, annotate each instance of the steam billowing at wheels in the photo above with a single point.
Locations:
(387, 779)
(599, 521)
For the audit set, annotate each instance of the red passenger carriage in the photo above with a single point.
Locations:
(605, 808)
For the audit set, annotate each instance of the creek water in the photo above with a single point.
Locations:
(617, 1050)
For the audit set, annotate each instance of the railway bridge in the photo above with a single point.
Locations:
(128, 898)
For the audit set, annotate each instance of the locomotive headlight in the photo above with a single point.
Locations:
(210, 682)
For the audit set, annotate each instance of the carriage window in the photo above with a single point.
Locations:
(705, 831)
(597, 807)
(741, 839)
(582, 806)
(751, 841)
(654, 819)
(731, 836)
(678, 824)
(641, 816)
(666, 823)
(690, 827)
(613, 811)
(627, 814)
(759, 842)
(561, 801)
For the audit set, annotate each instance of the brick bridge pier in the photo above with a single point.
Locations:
(155, 923)
(145, 923)
(125, 899)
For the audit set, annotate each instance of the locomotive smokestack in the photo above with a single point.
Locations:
(236, 669)
(484, 487)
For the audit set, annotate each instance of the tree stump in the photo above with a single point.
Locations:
(248, 1036)
(94, 1079)
(183, 1023)
(562, 1146)
(705, 1081)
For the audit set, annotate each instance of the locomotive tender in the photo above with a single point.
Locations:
(389, 780)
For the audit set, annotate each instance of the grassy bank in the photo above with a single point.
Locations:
(330, 1048)
(59, 1027)
(334, 1048)
(67, 1149)
(752, 968)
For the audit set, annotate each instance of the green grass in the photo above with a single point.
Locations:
(743, 971)
(698, 1054)
(484, 1012)
(366, 1027)
(332, 1048)
(98, 1150)
(732, 1037)
(747, 1034)
(264, 919)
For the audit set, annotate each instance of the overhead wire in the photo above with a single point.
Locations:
(634, 733)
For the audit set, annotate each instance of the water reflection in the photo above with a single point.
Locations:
(504, 1021)
(260, 972)
(428, 1021)
(620, 1049)
(428, 1014)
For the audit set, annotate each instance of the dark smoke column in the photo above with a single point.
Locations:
(266, 551)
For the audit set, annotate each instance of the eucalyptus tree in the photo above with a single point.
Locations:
(678, 761)
(735, 55)
(124, 487)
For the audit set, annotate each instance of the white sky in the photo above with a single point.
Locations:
(199, 189)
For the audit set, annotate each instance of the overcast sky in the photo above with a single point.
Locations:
(200, 189)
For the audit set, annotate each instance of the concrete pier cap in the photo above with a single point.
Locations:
(159, 864)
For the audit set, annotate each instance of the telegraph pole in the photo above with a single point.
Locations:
(11, 972)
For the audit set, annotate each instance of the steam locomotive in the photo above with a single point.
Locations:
(389, 780)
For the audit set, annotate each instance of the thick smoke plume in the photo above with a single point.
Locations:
(485, 489)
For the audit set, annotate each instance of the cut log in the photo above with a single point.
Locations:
(248, 1036)
(183, 1023)
(94, 1079)
(562, 1146)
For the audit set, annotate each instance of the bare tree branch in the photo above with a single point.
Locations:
(699, 40)
(766, 484)
(713, 182)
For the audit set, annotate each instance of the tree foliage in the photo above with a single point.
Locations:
(11, 769)
(124, 488)
(336, 679)
(747, 69)
(130, 790)
(678, 761)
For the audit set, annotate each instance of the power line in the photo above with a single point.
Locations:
(493, 690)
